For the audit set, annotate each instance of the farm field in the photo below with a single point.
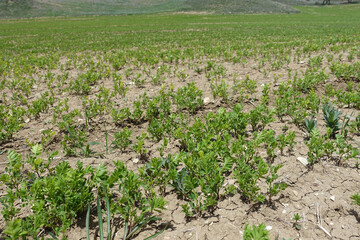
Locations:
(181, 126)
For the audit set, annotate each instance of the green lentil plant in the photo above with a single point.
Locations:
(312, 77)
(344, 150)
(182, 76)
(247, 177)
(121, 116)
(356, 199)
(11, 121)
(119, 86)
(297, 218)
(15, 230)
(137, 113)
(286, 140)
(260, 116)
(158, 78)
(281, 139)
(244, 88)
(13, 180)
(189, 97)
(80, 86)
(290, 140)
(156, 129)
(255, 232)
(60, 109)
(156, 173)
(42, 104)
(274, 187)
(122, 139)
(345, 71)
(233, 122)
(139, 146)
(316, 147)
(74, 139)
(265, 98)
(355, 125)
(63, 195)
(219, 89)
(138, 81)
(55, 195)
(270, 143)
(137, 203)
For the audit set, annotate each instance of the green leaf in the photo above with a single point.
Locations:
(37, 149)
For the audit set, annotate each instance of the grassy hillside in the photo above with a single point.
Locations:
(38, 8)
(32, 8)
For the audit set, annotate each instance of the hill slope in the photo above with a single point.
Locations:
(36, 8)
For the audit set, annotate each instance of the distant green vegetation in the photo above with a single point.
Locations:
(37, 8)
(110, 87)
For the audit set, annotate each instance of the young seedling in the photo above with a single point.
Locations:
(297, 218)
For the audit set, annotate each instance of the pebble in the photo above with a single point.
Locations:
(268, 228)
(206, 100)
(303, 160)
(332, 198)
(136, 160)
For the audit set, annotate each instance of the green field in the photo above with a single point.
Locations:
(181, 126)
(41, 8)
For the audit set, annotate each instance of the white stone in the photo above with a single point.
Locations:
(206, 100)
(268, 228)
(136, 160)
(332, 198)
(303, 160)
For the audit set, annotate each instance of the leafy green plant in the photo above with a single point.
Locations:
(356, 199)
(156, 129)
(137, 204)
(11, 121)
(247, 178)
(189, 97)
(155, 174)
(316, 147)
(310, 124)
(297, 218)
(344, 150)
(15, 230)
(121, 116)
(119, 86)
(55, 196)
(274, 187)
(219, 90)
(139, 146)
(121, 139)
(255, 232)
(332, 119)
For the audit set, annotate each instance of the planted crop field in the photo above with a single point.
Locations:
(181, 126)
